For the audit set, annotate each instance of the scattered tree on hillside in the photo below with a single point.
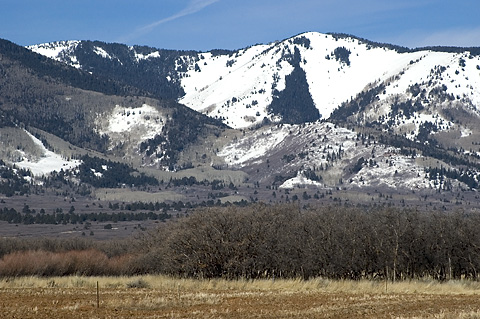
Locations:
(342, 54)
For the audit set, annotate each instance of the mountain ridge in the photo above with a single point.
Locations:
(204, 92)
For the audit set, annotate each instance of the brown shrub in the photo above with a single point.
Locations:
(85, 262)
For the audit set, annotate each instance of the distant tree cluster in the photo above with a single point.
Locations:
(311, 175)
(215, 184)
(424, 131)
(217, 52)
(28, 217)
(472, 50)
(400, 49)
(371, 44)
(184, 128)
(13, 182)
(105, 173)
(356, 105)
(119, 212)
(6, 119)
(144, 206)
(303, 41)
(294, 104)
(471, 179)
(342, 54)
(406, 108)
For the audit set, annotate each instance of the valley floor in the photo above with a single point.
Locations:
(160, 297)
(422, 201)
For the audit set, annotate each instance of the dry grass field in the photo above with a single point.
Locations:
(163, 297)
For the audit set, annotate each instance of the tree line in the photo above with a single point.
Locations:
(29, 217)
(334, 242)
(105, 173)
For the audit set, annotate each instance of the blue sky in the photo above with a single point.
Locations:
(232, 24)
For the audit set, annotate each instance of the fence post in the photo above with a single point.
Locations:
(98, 296)
(386, 280)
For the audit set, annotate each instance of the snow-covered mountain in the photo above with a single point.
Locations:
(251, 76)
(328, 111)
(239, 87)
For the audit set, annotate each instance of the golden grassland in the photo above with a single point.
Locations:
(165, 297)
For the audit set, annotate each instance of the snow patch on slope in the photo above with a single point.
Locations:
(101, 52)
(301, 180)
(139, 56)
(131, 124)
(253, 146)
(47, 163)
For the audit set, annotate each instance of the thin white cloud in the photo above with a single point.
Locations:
(193, 6)
(458, 37)
(454, 37)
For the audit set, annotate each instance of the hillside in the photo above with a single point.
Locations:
(52, 115)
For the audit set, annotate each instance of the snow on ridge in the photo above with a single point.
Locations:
(47, 163)
(61, 51)
(101, 52)
(152, 55)
(213, 81)
(53, 50)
